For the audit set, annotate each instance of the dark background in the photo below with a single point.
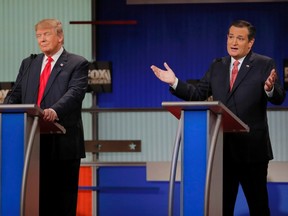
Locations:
(187, 36)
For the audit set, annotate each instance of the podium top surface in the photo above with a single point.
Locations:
(231, 123)
(31, 109)
(34, 110)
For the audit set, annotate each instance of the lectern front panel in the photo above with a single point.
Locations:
(194, 162)
(12, 160)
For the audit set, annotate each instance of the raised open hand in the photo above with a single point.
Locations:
(269, 83)
(166, 76)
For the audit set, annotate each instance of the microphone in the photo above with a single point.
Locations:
(11, 92)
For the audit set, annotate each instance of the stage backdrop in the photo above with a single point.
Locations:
(186, 36)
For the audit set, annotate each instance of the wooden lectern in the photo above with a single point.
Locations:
(21, 126)
(200, 132)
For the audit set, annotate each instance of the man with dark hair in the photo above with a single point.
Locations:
(243, 81)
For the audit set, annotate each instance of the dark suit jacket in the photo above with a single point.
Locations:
(64, 93)
(247, 100)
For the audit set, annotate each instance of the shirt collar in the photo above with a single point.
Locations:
(55, 56)
(240, 60)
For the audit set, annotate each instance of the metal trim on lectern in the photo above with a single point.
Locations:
(34, 125)
(231, 122)
(225, 121)
(33, 110)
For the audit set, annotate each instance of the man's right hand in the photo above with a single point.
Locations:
(166, 76)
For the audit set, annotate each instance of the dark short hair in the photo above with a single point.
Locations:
(245, 24)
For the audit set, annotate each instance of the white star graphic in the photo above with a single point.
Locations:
(132, 146)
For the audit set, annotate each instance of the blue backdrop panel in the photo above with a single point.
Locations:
(278, 196)
(187, 36)
(124, 191)
(194, 162)
(12, 161)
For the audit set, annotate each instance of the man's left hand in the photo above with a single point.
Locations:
(269, 83)
(50, 115)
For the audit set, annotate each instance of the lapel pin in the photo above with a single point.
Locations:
(247, 66)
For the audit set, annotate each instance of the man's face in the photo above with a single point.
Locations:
(48, 40)
(238, 44)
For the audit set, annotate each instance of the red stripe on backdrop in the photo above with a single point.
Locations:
(84, 203)
(109, 22)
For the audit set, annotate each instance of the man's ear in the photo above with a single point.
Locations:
(251, 42)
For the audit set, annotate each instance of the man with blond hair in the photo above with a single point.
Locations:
(60, 96)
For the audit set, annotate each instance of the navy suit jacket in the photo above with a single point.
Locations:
(247, 100)
(64, 93)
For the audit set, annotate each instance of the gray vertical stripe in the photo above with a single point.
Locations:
(17, 38)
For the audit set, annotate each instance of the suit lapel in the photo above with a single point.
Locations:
(34, 77)
(243, 71)
(245, 68)
(61, 62)
(224, 78)
(227, 74)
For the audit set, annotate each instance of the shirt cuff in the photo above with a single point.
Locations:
(270, 93)
(175, 84)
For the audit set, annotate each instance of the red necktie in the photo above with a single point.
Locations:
(234, 73)
(43, 79)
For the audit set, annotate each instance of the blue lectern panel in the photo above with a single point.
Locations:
(12, 159)
(194, 162)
